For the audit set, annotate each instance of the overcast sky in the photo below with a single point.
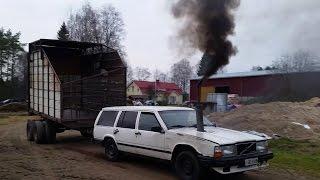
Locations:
(265, 29)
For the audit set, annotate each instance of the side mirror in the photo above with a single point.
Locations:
(157, 129)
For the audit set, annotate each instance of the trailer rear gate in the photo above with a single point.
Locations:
(70, 82)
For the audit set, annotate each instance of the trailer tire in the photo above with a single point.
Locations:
(39, 132)
(86, 134)
(30, 130)
(50, 132)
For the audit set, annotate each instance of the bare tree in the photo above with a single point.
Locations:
(161, 76)
(83, 25)
(300, 61)
(129, 74)
(181, 73)
(100, 26)
(141, 73)
(112, 28)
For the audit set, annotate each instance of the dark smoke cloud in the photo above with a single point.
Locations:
(206, 27)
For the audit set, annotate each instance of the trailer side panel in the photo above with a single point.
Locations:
(45, 87)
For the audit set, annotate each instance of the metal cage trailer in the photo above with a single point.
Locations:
(69, 82)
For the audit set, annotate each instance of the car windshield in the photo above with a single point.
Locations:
(182, 118)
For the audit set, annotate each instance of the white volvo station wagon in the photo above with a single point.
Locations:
(170, 133)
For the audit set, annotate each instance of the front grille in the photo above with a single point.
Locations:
(246, 148)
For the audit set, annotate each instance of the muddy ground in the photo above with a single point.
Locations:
(75, 157)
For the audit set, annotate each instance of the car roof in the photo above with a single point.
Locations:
(146, 108)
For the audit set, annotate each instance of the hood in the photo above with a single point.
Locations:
(219, 135)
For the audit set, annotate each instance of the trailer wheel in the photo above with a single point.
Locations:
(39, 132)
(30, 130)
(50, 132)
(86, 134)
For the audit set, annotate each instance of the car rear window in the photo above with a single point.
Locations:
(107, 118)
(127, 119)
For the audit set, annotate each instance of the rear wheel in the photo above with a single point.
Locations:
(39, 132)
(187, 166)
(86, 133)
(50, 132)
(111, 151)
(30, 130)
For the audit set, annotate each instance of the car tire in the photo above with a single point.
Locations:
(187, 166)
(30, 130)
(39, 133)
(50, 132)
(111, 150)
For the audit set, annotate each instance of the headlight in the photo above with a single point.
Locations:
(225, 151)
(262, 146)
(229, 150)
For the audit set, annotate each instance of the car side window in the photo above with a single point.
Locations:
(127, 119)
(148, 122)
(107, 118)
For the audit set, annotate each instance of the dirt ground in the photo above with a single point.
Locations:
(275, 118)
(75, 157)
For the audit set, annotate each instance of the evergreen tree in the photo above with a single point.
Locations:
(63, 33)
(12, 65)
(204, 64)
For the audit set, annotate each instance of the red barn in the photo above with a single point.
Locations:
(251, 84)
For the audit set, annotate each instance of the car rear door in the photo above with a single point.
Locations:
(124, 131)
(105, 124)
(150, 136)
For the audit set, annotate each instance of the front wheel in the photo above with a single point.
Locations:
(187, 166)
(111, 150)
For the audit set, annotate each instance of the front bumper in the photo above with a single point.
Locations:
(235, 164)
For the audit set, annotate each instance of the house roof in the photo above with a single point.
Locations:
(240, 74)
(160, 86)
(250, 74)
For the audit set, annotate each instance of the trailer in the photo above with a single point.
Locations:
(69, 82)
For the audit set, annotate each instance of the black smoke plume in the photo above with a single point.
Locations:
(206, 27)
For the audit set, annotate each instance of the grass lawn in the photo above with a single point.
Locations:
(300, 156)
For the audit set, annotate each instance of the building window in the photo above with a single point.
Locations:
(172, 100)
(132, 88)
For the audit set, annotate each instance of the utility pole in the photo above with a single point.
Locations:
(155, 90)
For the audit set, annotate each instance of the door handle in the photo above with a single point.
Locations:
(138, 133)
(115, 131)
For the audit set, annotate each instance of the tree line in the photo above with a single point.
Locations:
(12, 65)
(105, 25)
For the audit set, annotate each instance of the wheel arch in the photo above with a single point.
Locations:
(182, 147)
(108, 136)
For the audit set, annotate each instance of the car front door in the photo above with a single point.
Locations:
(150, 136)
(125, 132)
